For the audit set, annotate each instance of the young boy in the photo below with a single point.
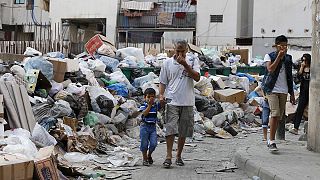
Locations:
(148, 133)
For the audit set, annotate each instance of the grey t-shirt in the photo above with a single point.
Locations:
(179, 86)
(281, 85)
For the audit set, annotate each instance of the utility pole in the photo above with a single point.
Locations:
(314, 101)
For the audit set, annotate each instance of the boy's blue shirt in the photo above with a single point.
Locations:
(152, 116)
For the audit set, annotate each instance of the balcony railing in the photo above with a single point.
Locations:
(151, 21)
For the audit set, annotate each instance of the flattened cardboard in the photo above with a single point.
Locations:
(195, 48)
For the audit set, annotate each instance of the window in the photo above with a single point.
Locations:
(216, 18)
(19, 1)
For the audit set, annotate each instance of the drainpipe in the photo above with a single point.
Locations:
(1, 12)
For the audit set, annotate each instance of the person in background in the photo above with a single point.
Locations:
(304, 77)
(277, 84)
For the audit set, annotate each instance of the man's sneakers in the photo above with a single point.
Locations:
(294, 131)
(273, 147)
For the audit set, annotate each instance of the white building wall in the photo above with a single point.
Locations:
(17, 14)
(213, 34)
(281, 16)
(76, 9)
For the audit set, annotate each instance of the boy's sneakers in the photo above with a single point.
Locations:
(273, 147)
(293, 131)
(145, 163)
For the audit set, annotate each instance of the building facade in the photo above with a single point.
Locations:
(79, 20)
(254, 23)
(21, 19)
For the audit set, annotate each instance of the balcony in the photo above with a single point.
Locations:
(187, 21)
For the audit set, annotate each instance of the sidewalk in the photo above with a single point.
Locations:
(292, 161)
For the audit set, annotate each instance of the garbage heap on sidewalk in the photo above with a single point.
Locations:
(79, 117)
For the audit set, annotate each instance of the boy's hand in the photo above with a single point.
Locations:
(151, 101)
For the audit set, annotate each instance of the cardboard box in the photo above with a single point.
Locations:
(244, 53)
(72, 122)
(12, 168)
(254, 102)
(195, 49)
(45, 167)
(218, 81)
(59, 69)
(97, 41)
(230, 95)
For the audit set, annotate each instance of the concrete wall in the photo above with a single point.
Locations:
(77, 9)
(282, 16)
(17, 14)
(212, 34)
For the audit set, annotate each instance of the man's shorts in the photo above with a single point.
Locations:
(277, 103)
(178, 120)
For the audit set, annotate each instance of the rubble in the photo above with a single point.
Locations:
(87, 108)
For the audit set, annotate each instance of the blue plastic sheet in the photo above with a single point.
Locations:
(120, 88)
(41, 64)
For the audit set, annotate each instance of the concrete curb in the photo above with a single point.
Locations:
(241, 159)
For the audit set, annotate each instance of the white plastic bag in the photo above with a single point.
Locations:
(76, 157)
(106, 50)
(204, 86)
(96, 65)
(23, 146)
(131, 51)
(77, 89)
(41, 135)
(138, 82)
(32, 52)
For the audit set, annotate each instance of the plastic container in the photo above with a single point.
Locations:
(211, 71)
(223, 71)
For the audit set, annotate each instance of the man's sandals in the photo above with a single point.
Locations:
(167, 163)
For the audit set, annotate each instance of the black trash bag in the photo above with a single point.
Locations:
(202, 103)
(138, 92)
(79, 78)
(213, 109)
(207, 60)
(105, 104)
(136, 73)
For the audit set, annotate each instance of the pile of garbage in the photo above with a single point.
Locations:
(81, 115)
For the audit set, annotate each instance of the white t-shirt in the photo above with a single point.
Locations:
(179, 86)
(281, 85)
